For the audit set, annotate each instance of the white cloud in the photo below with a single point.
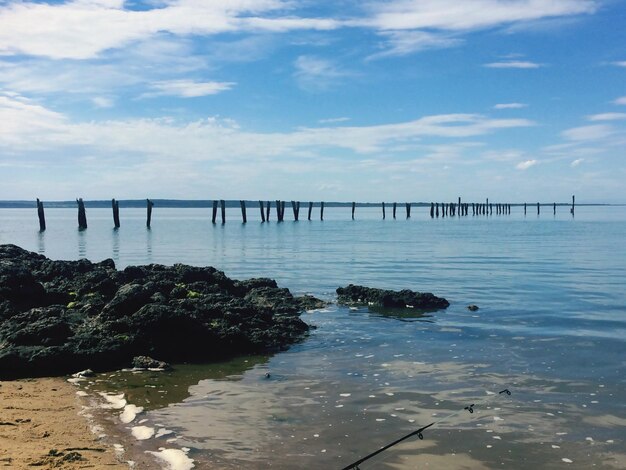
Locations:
(315, 73)
(513, 64)
(592, 132)
(510, 106)
(453, 15)
(102, 102)
(82, 29)
(333, 120)
(526, 164)
(607, 117)
(400, 43)
(187, 88)
(619, 63)
(213, 139)
(577, 162)
(621, 100)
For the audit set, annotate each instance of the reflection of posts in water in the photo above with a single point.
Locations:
(149, 205)
(41, 215)
(116, 244)
(82, 216)
(149, 246)
(41, 242)
(82, 244)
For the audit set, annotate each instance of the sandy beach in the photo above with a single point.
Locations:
(40, 426)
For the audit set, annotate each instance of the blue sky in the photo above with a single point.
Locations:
(418, 100)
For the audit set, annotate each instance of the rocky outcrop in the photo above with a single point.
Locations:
(359, 295)
(61, 316)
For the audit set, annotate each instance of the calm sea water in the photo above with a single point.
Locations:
(551, 328)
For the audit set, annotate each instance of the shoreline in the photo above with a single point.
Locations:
(43, 424)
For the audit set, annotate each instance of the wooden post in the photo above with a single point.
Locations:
(537, 208)
(408, 210)
(115, 205)
(282, 210)
(394, 210)
(353, 208)
(223, 210)
(322, 210)
(310, 210)
(149, 205)
(443, 210)
(244, 216)
(490, 209)
(82, 216)
(437, 209)
(262, 211)
(267, 213)
(278, 215)
(41, 215)
(295, 210)
(573, 204)
(459, 206)
(524, 208)
(432, 210)
(554, 209)
(383, 211)
(214, 211)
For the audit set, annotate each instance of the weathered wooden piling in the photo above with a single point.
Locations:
(322, 210)
(279, 214)
(149, 205)
(537, 208)
(383, 211)
(214, 215)
(460, 206)
(408, 210)
(295, 206)
(310, 210)
(353, 208)
(282, 210)
(223, 209)
(444, 209)
(262, 211)
(82, 216)
(394, 210)
(573, 204)
(41, 216)
(267, 212)
(437, 210)
(115, 205)
(244, 216)
(524, 208)
(554, 209)
(432, 210)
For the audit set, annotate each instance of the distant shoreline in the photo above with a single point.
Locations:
(207, 203)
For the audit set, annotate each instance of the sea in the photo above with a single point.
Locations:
(550, 329)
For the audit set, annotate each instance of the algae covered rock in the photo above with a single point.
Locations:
(57, 317)
(359, 295)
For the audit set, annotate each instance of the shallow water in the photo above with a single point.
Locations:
(551, 328)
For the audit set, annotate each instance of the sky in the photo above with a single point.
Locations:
(343, 100)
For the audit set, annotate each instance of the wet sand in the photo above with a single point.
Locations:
(40, 426)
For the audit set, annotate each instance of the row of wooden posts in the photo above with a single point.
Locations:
(436, 209)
